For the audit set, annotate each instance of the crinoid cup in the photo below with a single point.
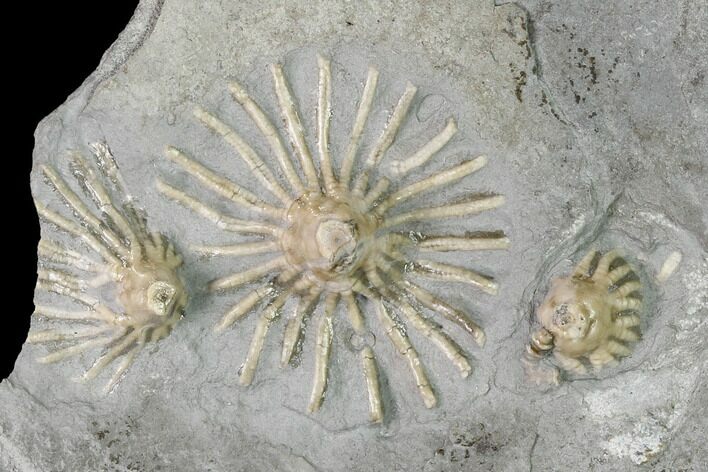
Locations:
(590, 315)
(149, 295)
(337, 238)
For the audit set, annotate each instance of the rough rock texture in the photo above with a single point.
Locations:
(595, 118)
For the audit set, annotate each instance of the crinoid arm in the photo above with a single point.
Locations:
(220, 185)
(222, 221)
(430, 183)
(541, 344)
(386, 139)
(371, 376)
(625, 321)
(404, 347)
(241, 249)
(569, 363)
(453, 210)
(414, 318)
(78, 348)
(142, 265)
(251, 275)
(324, 111)
(245, 151)
(76, 230)
(541, 341)
(294, 126)
(124, 343)
(601, 357)
(625, 335)
(323, 347)
(626, 303)
(244, 306)
(585, 265)
(331, 236)
(362, 115)
(437, 305)
(268, 315)
(96, 312)
(91, 222)
(617, 274)
(424, 154)
(368, 360)
(294, 327)
(446, 344)
(604, 263)
(463, 243)
(270, 133)
(452, 273)
(50, 335)
(56, 253)
(624, 290)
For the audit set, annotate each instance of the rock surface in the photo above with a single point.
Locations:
(595, 119)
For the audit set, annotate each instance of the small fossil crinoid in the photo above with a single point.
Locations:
(150, 296)
(591, 314)
(337, 238)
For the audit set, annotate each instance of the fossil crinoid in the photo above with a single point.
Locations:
(336, 238)
(591, 314)
(149, 296)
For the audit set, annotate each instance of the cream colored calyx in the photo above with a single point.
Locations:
(336, 241)
(153, 289)
(159, 297)
(327, 236)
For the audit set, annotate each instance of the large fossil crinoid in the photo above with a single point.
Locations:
(149, 295)
(336, 236)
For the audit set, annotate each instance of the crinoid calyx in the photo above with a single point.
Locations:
(334, 237)
(590, 315)
(148, 297)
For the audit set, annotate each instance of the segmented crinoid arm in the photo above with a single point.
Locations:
(56, 253)
(584, 266)
(222, 186)
(570, 364)
(268, 315)
(295, 325)
(537, 372)
(412, 316)
(386, 139)
(222, 221)
(330, 236)
(541, 341)
(431, 183)
(404, 347)
(368, 360)
(362, 116)
(324, 110)
(117, 233)
(626, 303)
(294, 126)
(323, 346)
(603, 265)
(424, 154)
(245, 151)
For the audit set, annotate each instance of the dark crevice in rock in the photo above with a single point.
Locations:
(537, 67)
(136, 33)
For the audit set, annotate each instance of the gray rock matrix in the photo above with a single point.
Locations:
(594, 116)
